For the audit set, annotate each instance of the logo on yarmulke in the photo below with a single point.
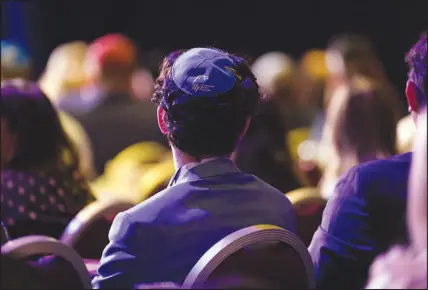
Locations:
(197, 86)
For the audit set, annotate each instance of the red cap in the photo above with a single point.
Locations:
(112, 48)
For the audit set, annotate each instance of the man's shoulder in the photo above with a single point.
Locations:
(380, 176)
(152, 209)
(387, 165)
(161, 206)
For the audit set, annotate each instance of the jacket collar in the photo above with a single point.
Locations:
(211, 168)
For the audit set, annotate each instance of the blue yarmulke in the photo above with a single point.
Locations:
(204, 72)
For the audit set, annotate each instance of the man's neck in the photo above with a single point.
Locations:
(181, 158)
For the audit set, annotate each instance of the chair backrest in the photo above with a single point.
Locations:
(125, 169)
(65, 267)
(265, 253)
(309, 206)
(88, 232)
(18, 274)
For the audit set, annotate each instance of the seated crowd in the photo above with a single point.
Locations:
(220, 184)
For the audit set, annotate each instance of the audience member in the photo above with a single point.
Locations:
(206, 98)
(64, 73)
(106, 109)
(142, 85)
(264, 152)
(366, 214)
(41, 186)
(360, 126)
(406, 267)
(15, 62)
(61, 75)
(277, 76)
(347, 56)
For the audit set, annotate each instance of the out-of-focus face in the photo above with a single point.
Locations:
(142, 85)
(7, 143)
(334, 63)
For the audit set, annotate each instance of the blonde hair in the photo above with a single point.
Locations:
(64, 70)
(360, 125)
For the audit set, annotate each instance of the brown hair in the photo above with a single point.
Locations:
(360, 125)
(416, 59)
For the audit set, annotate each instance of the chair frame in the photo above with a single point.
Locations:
(28, 246)
(305, 194)
(241, 239)
(97, 209)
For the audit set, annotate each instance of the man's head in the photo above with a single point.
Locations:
(111, 59)
(416, 88)
(206, 99)
(15, 62)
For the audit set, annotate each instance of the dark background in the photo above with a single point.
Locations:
(252, 27)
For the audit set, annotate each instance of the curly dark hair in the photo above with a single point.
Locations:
(416, 59)
(205, 127)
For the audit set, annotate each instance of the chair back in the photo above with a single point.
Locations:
(88, 232)
(125, 169)
(309, 206)
(63, 267)
(266, 255)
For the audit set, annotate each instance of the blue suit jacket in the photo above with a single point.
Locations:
(162, 238)
(364, 217)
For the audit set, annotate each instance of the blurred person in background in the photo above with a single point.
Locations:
(15, 61)
(347, 56)
(277, 75)
(41, 186)
(360, 126)
(142, 85)
(263, 151)
(64, 76)
(406, 267)
(106, 108)
(206, 99)
(63, 73)
(366, 215)
(311, 81)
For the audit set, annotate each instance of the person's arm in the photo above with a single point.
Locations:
(342, 249)
(118, 266)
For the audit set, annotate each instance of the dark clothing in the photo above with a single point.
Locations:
(41, 203)
(116, 122)
(162, 238)
(365, 217)
(4, 236)
(263, 151)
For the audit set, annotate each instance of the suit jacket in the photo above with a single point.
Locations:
(365, 216)
(114, 122)
(162, 238)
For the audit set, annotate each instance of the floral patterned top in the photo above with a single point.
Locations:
(41, 203)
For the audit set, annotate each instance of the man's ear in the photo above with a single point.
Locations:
(161, 114)
(414, 95)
